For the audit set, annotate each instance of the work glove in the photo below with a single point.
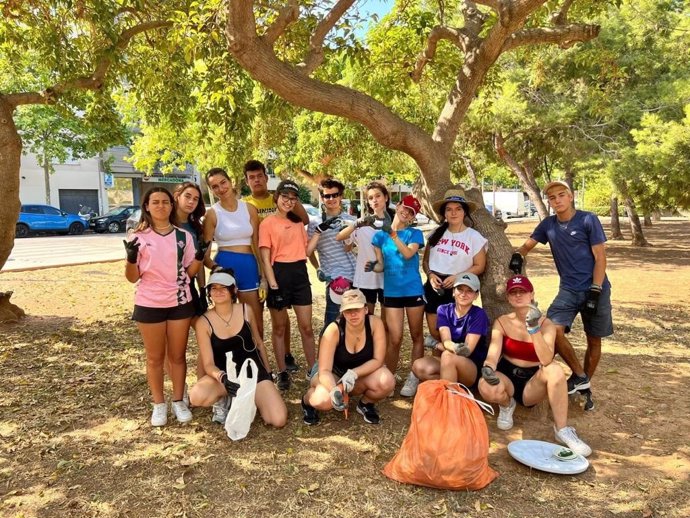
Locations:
(348, 380)
(370, 265)
(489, 375)
(337, 399)
(386, 223)
(201, 251)
(365, 221)
(329, 223)
(321, 275)
(592, 301)
(275, 298)
(230, 386)
(132, 249)
(458, 348)
(516, 263)
(532, 318)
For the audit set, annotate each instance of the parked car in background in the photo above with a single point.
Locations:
(44, 218)
(133, 220)
(498, 214)
(313, 212)
(114, 220)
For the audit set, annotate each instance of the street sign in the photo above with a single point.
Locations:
(165, 179)
(108, 180)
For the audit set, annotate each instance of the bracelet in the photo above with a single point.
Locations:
(533, 330)
(393, 234)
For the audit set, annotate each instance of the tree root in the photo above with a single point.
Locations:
(9, 312)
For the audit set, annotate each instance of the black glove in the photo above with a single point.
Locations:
(321, 275)
(532, 318)
(329, 223)
(366, 221)
(132, 249)
(201, 251)
(592, 300)
(440, 291)
(386, 223)
(230, 386)
(275, 298)
(516, 262)
(203, 300)
(293, 217)
(489, 375)
(462, 350)
(370, 265)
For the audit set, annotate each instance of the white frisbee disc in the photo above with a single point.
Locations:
(540, 455)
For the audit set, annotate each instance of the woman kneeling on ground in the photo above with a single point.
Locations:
(230, 326)
(526, 373)
(352, 350)
(463, 328)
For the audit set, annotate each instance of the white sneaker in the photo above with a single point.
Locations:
(410, 387)
(159, 416)
(182, 413)
(505, 415)
(567, 436)
(220, 410)
(185, 396)
(430, 342)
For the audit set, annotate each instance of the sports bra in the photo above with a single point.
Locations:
(233, 228)
(344, 359)
(518, 349)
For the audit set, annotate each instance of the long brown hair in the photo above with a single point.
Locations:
(195, 217)
(145, 220)
(383, 190)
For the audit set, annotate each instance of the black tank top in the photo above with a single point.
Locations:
(242, 347)
(344, 359)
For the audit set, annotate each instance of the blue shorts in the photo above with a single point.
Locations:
(245, 267)
(568, 304)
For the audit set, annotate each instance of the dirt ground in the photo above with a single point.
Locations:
(76, 440)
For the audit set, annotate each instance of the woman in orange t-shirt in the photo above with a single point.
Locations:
(284, 250)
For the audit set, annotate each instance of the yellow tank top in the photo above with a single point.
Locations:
(265, 207)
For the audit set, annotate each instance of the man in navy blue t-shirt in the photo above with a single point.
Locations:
(576, 239)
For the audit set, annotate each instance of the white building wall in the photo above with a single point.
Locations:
(79, 174)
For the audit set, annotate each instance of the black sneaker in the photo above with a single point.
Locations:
(578, 383)
(290, 363)
(283, 380)
(311, 415)
(589, 403)
(368, 411)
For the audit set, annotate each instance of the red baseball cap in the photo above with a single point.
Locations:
(411, 203)
(519, 281)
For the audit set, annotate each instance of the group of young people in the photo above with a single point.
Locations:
(265, 242)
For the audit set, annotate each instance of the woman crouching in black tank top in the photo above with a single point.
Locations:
(230, 326)
(351, 361)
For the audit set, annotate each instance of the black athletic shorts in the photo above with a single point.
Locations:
(146, 315)
(293, 281)
(404, 302)
(433, 299)
(519, 376)
(372, 295)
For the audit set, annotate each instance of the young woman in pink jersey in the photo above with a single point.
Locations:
(160, 259)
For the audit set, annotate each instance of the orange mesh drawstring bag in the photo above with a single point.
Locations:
(447, 445)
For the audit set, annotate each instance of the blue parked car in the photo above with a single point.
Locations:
(44, 218)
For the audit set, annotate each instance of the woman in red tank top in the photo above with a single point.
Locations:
(519, 367)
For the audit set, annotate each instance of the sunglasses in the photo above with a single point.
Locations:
(331, 196)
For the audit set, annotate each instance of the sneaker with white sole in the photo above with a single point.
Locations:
(410, 387)
(578, 383)
(368, 412)
(220, 410)
(568, 436)
(430, 342)
(505, 415)
(159, 416)
(181, 412)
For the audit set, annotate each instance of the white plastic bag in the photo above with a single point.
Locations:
(243, 409)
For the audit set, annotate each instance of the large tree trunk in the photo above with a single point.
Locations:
(616, 233)
(638, 238)
(647, 220)
(10, 156)
(524, 174)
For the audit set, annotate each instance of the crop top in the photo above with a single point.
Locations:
(233, 228)
(518, 349)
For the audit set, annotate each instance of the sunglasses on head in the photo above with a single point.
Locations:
(331, 196)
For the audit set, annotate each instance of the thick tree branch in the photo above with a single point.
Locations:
(456, 36)
(91, 82)
(565, 36)
(314, 57)
(286, 16)
(561, 18)
(474, 18)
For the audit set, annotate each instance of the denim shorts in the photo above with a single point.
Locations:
(245, 267)
(568, 304)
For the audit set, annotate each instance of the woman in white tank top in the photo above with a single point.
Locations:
(234, 225)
